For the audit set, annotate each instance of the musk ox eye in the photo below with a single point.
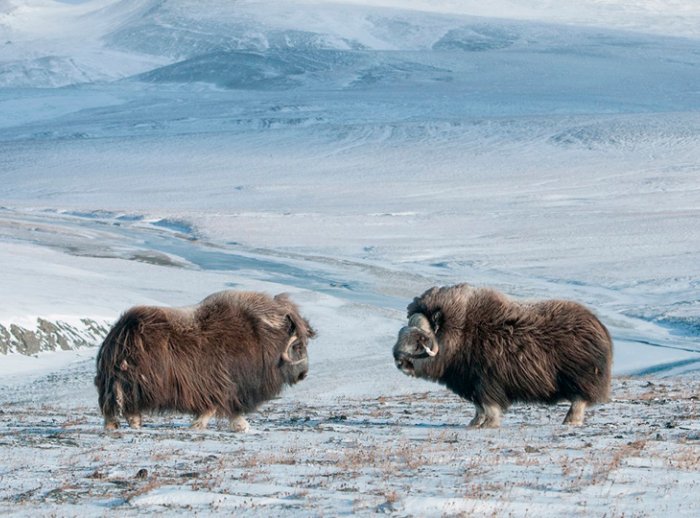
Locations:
(420, 343)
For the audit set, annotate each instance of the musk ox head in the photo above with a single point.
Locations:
(294, 360)
(416, 344)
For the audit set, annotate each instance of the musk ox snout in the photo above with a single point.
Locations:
(294, 373)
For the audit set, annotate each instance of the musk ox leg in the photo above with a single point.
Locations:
(575, 415)
(239, 424)
(113, 403)
(202, 420)
(479, 418)
(134, 420)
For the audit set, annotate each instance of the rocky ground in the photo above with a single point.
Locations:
(50, 336)
(639, 455)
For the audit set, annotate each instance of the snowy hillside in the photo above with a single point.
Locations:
(352, 153)
(539, 153)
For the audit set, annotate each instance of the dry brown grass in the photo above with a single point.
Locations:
(602, 470)
(687, 459)
(162, 456)
(260, 460)
(526, 459)
(391, 496)
(484, 490)
(74, 422)
(137, 489)
(380, 455)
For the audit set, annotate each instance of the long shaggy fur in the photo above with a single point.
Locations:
(494, 351)
(221, 356)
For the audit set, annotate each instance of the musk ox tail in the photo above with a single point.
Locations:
(118, 392)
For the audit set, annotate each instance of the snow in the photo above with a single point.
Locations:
(175, 496)
(17, 368)
(406, 455)
(352, 153)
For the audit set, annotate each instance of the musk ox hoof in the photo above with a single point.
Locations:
(198, 426)
(202, 420)
(485, 424)
(111, 425)
(239, 425)
(134, 421)
(477, 422)
(487, 416)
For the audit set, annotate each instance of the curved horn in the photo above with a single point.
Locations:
(285, 354)
(433, 351)
(420, 321)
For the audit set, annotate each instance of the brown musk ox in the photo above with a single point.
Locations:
(494, 351)
(224, 356)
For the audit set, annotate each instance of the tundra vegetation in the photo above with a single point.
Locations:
(410, 454)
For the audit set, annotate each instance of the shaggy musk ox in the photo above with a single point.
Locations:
(226, 355)
(494, 351)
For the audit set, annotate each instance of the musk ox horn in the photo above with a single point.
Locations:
(420, 321)
(433, 351)
(285, 354)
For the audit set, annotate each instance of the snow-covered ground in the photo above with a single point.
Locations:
(403, 455)
(352, 153)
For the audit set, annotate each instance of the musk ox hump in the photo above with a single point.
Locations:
(256, 305)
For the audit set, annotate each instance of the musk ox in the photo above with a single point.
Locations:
(493, 351)
(225, 355)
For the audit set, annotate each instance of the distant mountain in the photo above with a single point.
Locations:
(273, 45)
